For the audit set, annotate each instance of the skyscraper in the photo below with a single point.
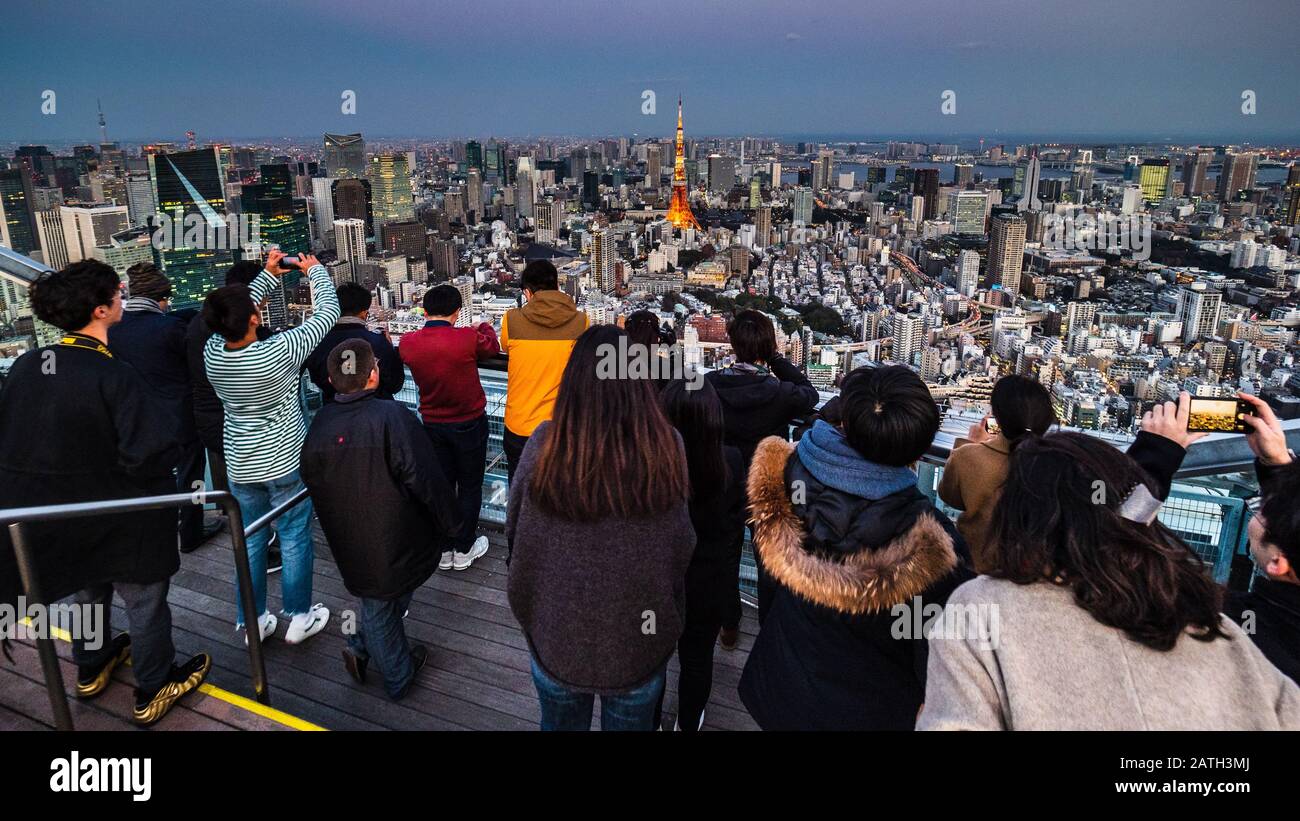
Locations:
(603, 259)
(186, 184)
(322, 206)
(968, 209)
(1024, 187)
(926, 183)
(1199, 311)
(1238, 174)
(1155, 179)
(344, 155)
(1006, 252)
(1195, 164)
(473, 196)
(54, 246)
(350, 237)
(802, 210)
(968, 272)
(352, 200)
(679, 211)
(722, 173)
(390, 188)
(763, 225)
(908, 337)
(17, 225)
(653, 165)
(283, 217)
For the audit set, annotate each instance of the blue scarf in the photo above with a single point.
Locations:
(832, 461)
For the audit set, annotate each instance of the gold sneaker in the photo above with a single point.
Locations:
(184, 678)
(91, 682)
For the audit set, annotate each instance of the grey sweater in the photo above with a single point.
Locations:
(1055, 667)
(602, 604)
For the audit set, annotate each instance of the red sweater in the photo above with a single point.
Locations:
(444, 363)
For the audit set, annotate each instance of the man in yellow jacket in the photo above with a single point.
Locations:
(537, 339)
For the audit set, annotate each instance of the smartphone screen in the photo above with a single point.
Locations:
(1218, 415)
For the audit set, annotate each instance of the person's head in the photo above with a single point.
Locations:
(693, 408)
(610, 451)
(642, 328)
(539, 275)
(1022, 406)
(752, 337)
(230, 311)
(351, 366)
(354, 299)
(1275, 530)
(888, 415)
(145, 280)
(443, 302)
(82, 295)
(243, 272)
(1062, 516)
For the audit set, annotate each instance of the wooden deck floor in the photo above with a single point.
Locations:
(477, 677)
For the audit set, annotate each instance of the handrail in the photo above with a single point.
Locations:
(275, 512)
(16, 518)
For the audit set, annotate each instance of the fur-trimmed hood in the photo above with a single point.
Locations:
(867, 579)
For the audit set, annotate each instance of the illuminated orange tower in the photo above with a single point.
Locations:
(679, 212)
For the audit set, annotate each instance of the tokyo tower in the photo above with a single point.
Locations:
(679, 212)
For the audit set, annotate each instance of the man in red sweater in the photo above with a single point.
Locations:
(444, 363)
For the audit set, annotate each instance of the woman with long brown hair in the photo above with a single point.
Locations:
(602, 538)
(1093, 615)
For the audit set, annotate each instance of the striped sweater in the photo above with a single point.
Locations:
(258, 386)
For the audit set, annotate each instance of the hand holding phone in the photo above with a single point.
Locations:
(1215, 415)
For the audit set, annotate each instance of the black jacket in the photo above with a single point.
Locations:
(155, 345)
(719, 522)
(391, 372)
(77, 425)
(209, 415)
(833, 653)
(755, 406)
(379, 493)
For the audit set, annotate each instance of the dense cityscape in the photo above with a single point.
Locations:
(1115, 274)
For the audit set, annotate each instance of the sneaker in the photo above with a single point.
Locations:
(273, 560)
(186, 677)
(305, 625)
(356, 666)
(419, 655)
(91, 681)
(266, 626)
(728, 637)
(476, 551)
(677, 723)
(447, 559)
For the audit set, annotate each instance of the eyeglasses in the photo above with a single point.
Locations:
(1254, 503)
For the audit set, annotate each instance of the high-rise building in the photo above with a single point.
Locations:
(802, 210)
(1024, 186)
(1155, 179)
(525, 193)
(54, 245)
(139, 197)
(1195, 164)
(344, 156)
(85, 227)
(465, 285)
(1006, 252)
(187, 184)
(1078, 318)
(550, 216)
(968, 272)
(722, 173)
(603, 258)
(473, 197)
(1199, 311)
(926, 184)
(446, 257)
(350, 238)
(908, 336)
(822, 169)
(282, 217)
(1238, 174)
(390, 189)
(17, 224)
(322, 207)
(968, 209)
(763, 225)
(653, 165)
(352, 200)
(404, 238)
(679, 210)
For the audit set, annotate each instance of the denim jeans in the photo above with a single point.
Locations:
(567, 710)
(381, 638)
(296, 549)
(461, 448)
(148, 619)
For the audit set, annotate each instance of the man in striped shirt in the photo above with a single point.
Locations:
(258, 384)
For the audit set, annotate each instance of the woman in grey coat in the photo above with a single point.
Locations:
(1094, 615)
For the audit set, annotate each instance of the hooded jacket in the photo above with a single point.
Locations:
(756, 405)
(538, 339)
(838, 649)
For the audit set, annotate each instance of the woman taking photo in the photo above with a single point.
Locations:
(718, 514)
(602, 538)
(1093, 614)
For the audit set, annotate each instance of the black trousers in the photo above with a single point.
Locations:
(512, 444)
(710, 593)
(461, 448)
(189, 476)
(149, 620)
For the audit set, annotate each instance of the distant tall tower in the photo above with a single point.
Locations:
(679, 212)
(103, 126)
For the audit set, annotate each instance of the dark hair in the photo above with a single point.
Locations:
(540, 275)
(752, 337)
(349, 374)
(888, 414)
(1022, 405)
(1282, 514)
(353, 298)
(228, 311)
(67, 299)
(610, 451)
(442, 300)
(243, 272)
(1058, 518)
(643, 329)
(696, 413)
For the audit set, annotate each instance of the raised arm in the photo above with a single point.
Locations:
(302, 340)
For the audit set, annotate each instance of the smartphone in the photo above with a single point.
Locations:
(991, 425)
(1218, 415)
(288, 262)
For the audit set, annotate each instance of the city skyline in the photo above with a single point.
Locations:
(1112, 71)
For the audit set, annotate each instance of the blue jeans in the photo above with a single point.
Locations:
(565, 709)
(296, 549)
(381, 638)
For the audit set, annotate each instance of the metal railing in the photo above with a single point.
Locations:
(16, 518)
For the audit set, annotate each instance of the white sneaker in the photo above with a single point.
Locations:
(266, 626)
(305, 625)
(476, 551)
(677, 723)
(447, 559)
